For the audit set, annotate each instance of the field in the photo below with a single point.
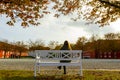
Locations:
(93, 69)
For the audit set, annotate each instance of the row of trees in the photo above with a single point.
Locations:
(110, 42)
(13, 47)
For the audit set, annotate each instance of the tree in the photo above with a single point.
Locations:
(37, 45)
(20, 47)
(80, 43)
(103, 11)
(30, 11)
(53, 44)
(111, 36)
(5, 46)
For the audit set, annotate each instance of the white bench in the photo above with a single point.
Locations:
(53, 57)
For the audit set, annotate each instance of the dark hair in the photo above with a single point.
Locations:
(66, 46)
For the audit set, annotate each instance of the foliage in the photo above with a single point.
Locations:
(30, 11)
(88, 75)
(20, 47)
(103, 11)
(5, 46)
(112, 36)
(25, 10)
(37, 45)
(80, 43)
(52, 44)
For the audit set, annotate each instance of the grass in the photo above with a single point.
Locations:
(87, 75)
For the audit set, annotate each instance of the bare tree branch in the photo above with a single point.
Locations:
(112, 3)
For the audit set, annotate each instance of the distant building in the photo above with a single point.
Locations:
(108, 55)
(108, 49)
(88, 54)
(103, 49)
(1, 54)
(12, 54)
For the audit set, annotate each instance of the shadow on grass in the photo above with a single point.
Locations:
(18, 78)
(59, 77)
(28, 75)
(42, 78)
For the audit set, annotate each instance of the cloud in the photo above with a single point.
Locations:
(94, 28)
(51, 28)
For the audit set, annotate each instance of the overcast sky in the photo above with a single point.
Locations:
(53, 29)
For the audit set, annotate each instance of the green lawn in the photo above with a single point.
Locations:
(87, 75)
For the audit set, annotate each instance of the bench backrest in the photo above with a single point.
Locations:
(57, 54)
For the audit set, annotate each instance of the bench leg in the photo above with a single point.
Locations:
(64, 67)
(35, 70)
(39, 69)
(81, 74)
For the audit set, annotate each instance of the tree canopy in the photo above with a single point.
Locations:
(29, 12)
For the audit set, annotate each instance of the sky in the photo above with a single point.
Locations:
(54, 29)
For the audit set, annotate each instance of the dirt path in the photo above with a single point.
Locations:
(28, 64)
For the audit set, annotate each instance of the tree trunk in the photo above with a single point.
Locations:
(20, 54)
(5, 55)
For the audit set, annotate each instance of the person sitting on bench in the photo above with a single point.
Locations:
(66, 46)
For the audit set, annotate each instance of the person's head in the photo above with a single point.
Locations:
(66, 42)
(66, 46)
